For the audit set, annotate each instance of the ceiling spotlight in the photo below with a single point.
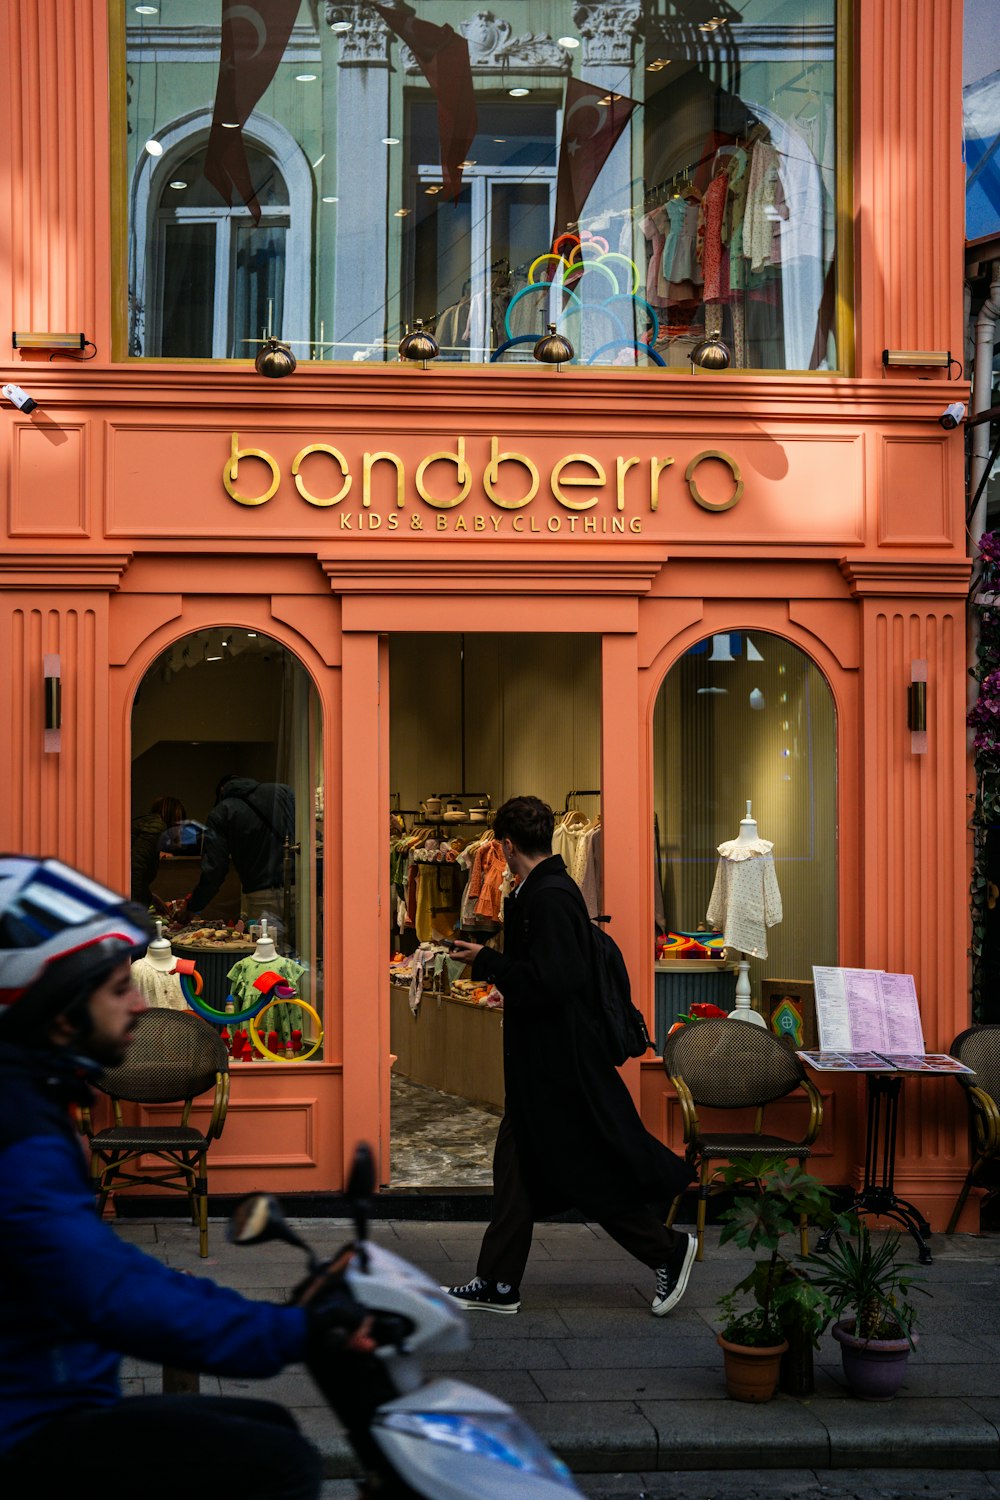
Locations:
(518, 93)
(568, 41)
(500, 140)
(464, 164)
(390, 140)
(401, 213)
(435, 187)
(177, 183)
(331, 200)
(341, 26)
(154, 148)
(146, 10)
(230, 124)
(305, 78)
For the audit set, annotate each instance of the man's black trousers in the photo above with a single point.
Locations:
(507, 1241)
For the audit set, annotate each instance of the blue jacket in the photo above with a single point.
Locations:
(73, 1297)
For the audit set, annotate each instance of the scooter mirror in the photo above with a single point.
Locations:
(361, 1182)
(260, 1218)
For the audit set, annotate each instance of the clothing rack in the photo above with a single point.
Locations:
(582, 792)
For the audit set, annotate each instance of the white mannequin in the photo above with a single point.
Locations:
(159, 952)
(265, 950)
(153, 975)
(743, 1009)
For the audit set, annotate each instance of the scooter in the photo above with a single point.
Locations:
(416, 1439)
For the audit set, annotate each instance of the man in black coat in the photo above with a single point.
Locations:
(248, 826)
(570, 1136)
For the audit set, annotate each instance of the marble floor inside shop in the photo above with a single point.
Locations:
(439, 1140)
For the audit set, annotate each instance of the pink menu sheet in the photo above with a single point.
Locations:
(867, 1010)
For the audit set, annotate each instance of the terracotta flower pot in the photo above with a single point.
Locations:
(874, 1368)
(751, 1374)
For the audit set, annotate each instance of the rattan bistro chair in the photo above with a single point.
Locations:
(734, 1065)
(173, 1058)
(979, 1048)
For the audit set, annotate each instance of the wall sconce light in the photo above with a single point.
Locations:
(917, 359)
(916, 707)
(49, 340)
(52, 668)
(553, 349)
(419, 347)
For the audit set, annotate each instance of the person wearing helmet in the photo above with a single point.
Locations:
(74, 1298)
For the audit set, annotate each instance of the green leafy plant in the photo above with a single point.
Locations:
(770, 1196)
(867, 1279)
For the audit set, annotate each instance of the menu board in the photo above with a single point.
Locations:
(869, 1022)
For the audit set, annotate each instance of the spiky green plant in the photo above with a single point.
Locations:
(858, 1275)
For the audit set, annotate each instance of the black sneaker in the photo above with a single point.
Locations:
(491, 1296)
(672, 1279)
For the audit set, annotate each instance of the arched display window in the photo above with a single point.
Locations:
(744, 715)
(227, 836)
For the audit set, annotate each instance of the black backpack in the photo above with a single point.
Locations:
(625, 1033)
(622, 1025)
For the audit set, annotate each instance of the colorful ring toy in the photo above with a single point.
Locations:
(208, 1012)
(635, 301)
(559, 260)
(299, 1056)
(532, 288)
(581, 267)
(625, 261)
(573, 239)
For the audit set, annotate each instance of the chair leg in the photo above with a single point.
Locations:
(671, 1216)
(803, 1221)
(702, 1206)
(960, 1202)
(201, 1197)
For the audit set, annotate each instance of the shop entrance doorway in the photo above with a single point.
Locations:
(474, 719)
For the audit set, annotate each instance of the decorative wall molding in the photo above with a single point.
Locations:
(367, 42)
(618, 571)
(907, 575)
(63, 570)
(608, 30)
(493, 47)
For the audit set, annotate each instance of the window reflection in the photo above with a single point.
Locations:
(644, 173)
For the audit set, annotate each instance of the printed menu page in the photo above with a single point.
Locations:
(847, 1062)
(867, 1010)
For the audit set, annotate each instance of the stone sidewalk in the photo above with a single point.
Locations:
(614, 1390)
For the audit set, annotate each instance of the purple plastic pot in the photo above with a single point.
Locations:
(875, 1368)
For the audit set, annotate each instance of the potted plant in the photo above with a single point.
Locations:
(867, 1281)
(789, 1309)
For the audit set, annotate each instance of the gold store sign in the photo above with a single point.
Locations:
(575, 492)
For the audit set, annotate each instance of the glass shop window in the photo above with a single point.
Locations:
(743, 716)
(227, 838)
(658, 179)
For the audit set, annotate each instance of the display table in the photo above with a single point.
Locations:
(448, 1045)
(877, 1193)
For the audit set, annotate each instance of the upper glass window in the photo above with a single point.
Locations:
(646, 174)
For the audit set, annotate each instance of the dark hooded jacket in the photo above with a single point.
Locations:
(74, 1297)
(580, 1141)
(249, 826)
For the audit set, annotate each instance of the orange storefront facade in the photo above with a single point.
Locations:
(361, 513)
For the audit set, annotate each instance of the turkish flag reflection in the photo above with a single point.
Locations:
(443, 57)
(254, 37)
(592, 122)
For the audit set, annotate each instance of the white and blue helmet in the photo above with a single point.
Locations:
(50, 912)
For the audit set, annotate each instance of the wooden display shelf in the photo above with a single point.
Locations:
(449, 1045)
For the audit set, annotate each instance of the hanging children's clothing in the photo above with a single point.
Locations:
(745, 898)
(679, 261)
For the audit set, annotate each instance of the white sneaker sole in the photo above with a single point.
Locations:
(661, 1308)
(492, 1307)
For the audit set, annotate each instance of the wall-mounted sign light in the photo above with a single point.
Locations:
(52, 668)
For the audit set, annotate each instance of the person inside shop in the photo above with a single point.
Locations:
(570, 1136)
(248, 826)
(74, 1298)
(150, 837)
